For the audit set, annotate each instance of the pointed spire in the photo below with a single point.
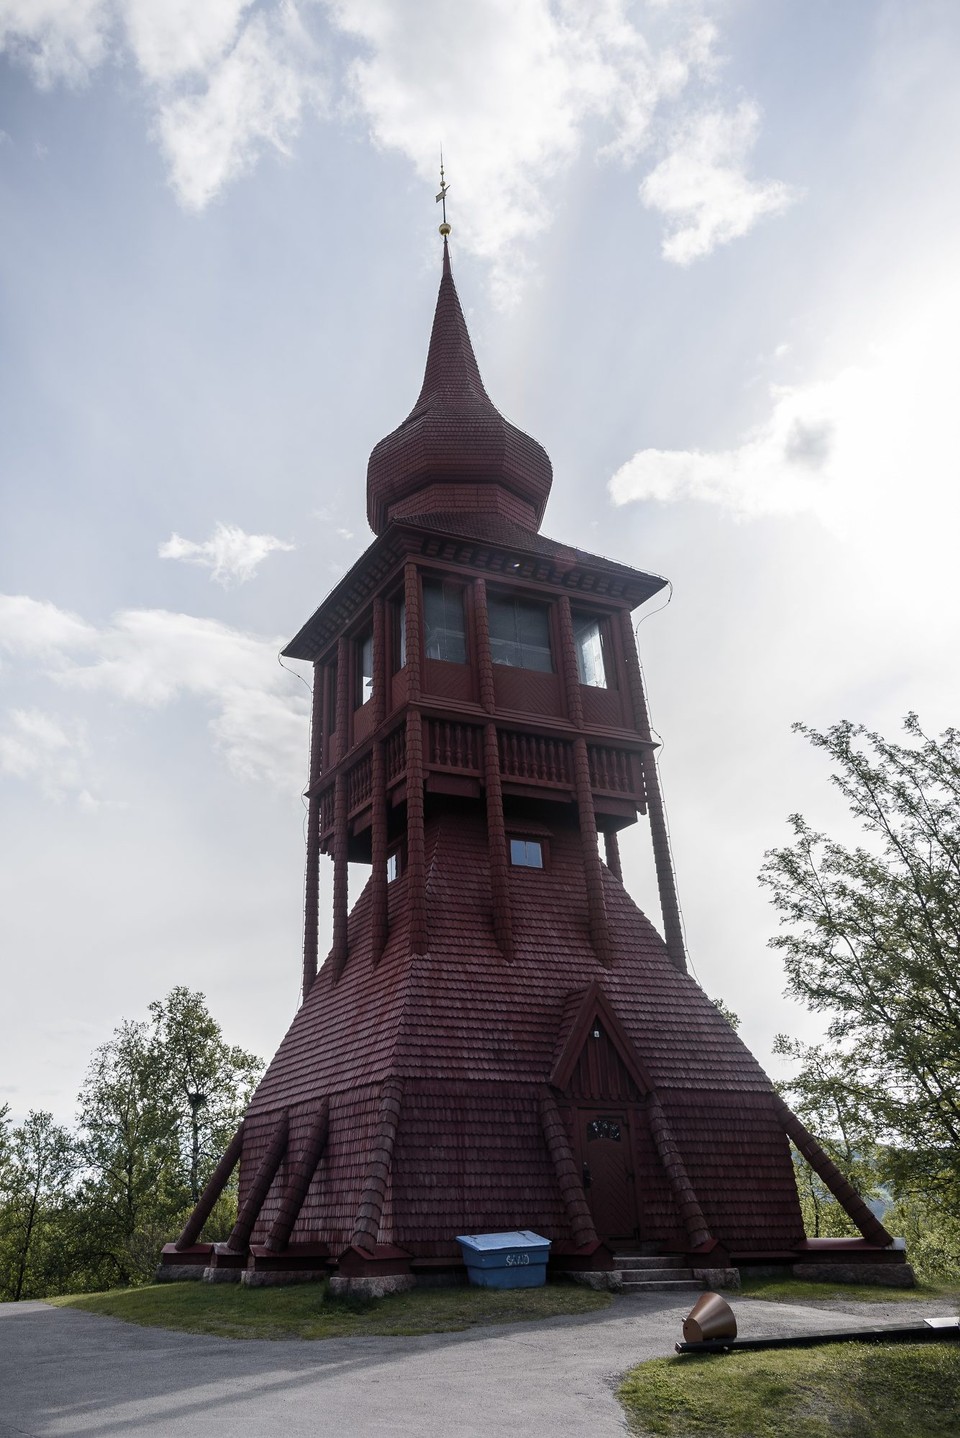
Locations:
(455, 450)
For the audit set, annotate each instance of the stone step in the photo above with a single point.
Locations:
(662, 1285)
(632, 1261)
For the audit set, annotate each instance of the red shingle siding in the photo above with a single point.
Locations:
(474, 1039)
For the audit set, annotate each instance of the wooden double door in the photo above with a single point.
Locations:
(606, 1152)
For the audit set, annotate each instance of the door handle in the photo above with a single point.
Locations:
(587, 1176)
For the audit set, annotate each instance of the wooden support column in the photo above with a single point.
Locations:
(266, 1173)
(841, 1187)
(564, 1166)
(311, 903)
(568, 659)
(413, 636)
(216, 1183)
(416, 837)
(379, 922)
(338, 950)
(690, 1211)
(599, 931)
(370, 1208)
(611, 846)
(299, 1178)
(378, 790)
(493, 787)
(666, 880)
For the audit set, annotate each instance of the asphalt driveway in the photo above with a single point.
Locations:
(66, 1373)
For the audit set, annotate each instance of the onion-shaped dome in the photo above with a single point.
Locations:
(455, 451)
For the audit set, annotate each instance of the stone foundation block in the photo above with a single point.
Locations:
(608, 1278)
(223, 1275)
(180, 1272)
(376, 1287)
(271, 1277)
(716, 1278)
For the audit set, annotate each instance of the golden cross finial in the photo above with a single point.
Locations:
(442, 200)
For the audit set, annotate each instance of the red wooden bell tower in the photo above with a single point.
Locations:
(499, 1038)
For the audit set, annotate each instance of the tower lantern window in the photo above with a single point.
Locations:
(588, 639)
(520, 633)
(444, 629)
(365, 667)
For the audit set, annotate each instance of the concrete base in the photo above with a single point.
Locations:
(371, 1287)
(883, 1275)
(179, 1272)
(222, 1275)
(716, 1278)
(600, 1278)
(272, 1277)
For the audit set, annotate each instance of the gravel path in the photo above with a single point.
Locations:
(64, 1374)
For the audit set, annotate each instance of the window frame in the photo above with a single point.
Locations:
(607, 651)
(444, 581)
(520, 596)
(522, 837)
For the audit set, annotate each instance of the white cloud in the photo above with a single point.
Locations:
(230, 554)
(224, 81)
(702, 189)
(868, 450)
(518, 87)
(151, 658)
(524, 80)
(58, 40)
(36, 746)
(253, 99)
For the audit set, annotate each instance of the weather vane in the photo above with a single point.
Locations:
(442, 200)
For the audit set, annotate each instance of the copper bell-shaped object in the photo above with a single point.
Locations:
(710, 1317)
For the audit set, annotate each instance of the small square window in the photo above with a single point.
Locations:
(393, 867)
(526, 853)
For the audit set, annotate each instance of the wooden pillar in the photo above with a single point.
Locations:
(340, 891)
(216, 1183)
(299, 1178)
(378, 790)
(266, 1173)
(370, 1208)
(666, 880)
(599, 932)
(841, 1187)
(611, 845)
(568, 659)
(687, 1202)
(579, 1217)
(413, 637)
(416, 837)
(493, 787)
(311, 902)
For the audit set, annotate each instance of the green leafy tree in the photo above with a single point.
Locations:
(209, 1083)
(159, 1103)
(39, 1161)
(872, 941)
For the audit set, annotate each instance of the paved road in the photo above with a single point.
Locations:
(64, 1374)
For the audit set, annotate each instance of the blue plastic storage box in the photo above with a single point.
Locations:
(505, 1260)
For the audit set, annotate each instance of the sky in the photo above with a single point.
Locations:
(707, 250)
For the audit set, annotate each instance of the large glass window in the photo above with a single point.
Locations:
(444, 631)
(588, 639)
(519, 633)
(365, 667)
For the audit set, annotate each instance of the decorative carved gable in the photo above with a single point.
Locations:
(597, 1060)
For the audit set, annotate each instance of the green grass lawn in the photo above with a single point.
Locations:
(308, 1310)
(851, 1390)
(795, 1290)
